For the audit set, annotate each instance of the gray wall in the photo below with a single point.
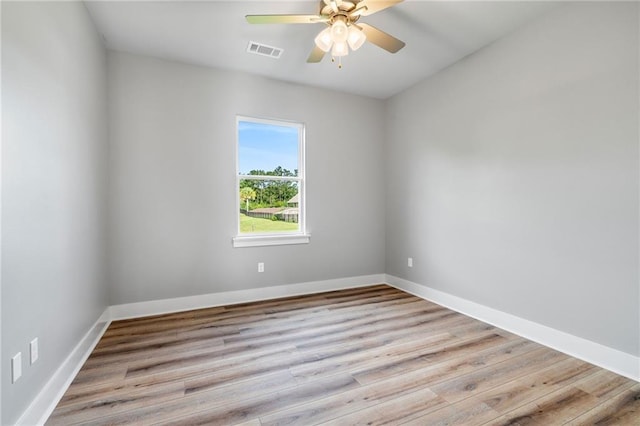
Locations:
(172, 181)
(513, 175)
(54, 132)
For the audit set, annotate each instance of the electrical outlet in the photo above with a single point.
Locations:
(33, 349)
(260, 266)
(16, 367)
(410, 262)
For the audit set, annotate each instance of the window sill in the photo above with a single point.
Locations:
(270, 240)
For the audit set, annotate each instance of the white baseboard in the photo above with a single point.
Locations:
(603, 356)
(43, 405)
(165, 306)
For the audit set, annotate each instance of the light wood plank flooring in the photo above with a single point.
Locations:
(373, 355)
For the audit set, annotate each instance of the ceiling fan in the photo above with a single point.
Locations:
(343, 29)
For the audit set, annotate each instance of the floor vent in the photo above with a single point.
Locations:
(264, 50)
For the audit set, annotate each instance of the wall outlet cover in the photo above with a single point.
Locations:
(33, 349)
(16, 367)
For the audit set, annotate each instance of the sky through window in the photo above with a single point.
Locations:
(266, 146)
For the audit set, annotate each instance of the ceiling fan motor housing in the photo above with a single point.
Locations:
(339, 10)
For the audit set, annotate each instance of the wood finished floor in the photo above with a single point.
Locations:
(373, 355)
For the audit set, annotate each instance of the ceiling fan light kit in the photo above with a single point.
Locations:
(339, 36)
(339, 31)
(356, 37)
(339, 49)
(342, 32)
(323, 40)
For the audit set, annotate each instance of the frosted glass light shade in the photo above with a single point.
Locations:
(323, 40)
(356, 37)
(340, 49)
(339, 32)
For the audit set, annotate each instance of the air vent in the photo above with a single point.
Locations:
(264, 50)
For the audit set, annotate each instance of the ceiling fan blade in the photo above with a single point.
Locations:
(285, 19)
(381, 39)
(316, 55)
(369, 7)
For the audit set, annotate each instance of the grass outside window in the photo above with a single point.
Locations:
(259, 225)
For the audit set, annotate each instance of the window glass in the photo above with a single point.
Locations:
(270, 182)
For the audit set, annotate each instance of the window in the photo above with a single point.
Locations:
(270, 182)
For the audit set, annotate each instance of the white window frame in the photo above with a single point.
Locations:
(280, 238)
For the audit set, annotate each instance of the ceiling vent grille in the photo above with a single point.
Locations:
(264, 50)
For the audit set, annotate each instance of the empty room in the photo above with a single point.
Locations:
(315, 212)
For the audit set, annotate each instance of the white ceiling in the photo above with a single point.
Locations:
(216, 34)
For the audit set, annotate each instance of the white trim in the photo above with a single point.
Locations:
(165, 306)
(44, 403)
(266, 177)
(270, 240)
(603, 356)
